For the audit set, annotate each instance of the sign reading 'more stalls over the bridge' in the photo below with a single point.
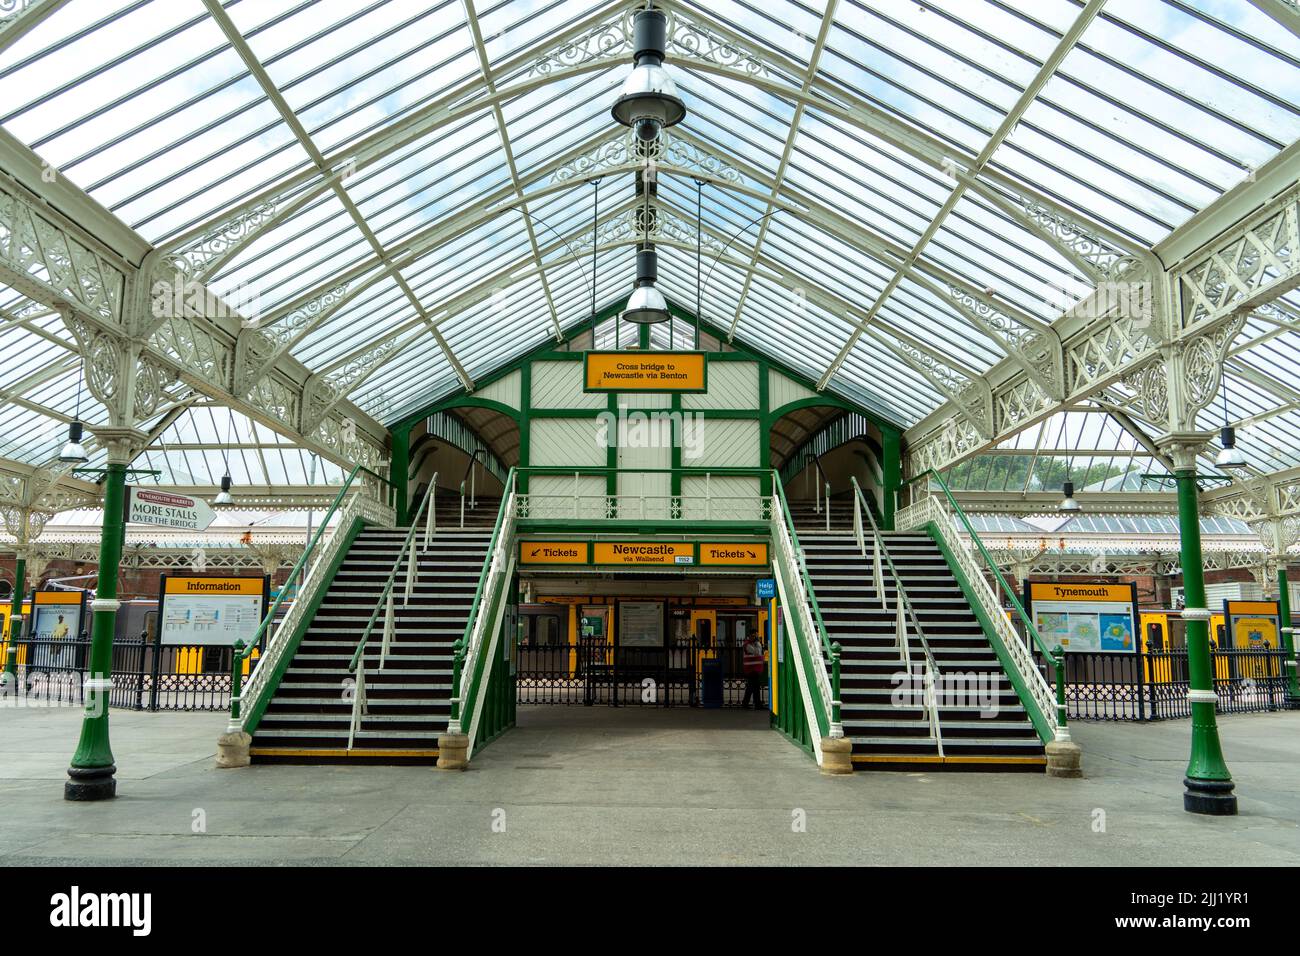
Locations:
(645, 372)
(144, 506)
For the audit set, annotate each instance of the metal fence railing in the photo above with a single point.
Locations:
(1153, 685)
(145, 676)
(596, 672)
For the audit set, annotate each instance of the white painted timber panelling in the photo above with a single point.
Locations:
(563, 496)
(721, 498)
(782, 390)
(645, 399)
(643, 494)
(559, 385)
(724, 443)
(566, 442)
(731, 385)
(504, 390)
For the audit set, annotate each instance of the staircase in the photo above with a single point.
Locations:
(308, 718)
(890, 737)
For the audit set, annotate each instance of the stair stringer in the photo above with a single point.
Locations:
(486, 660)
(795, 643)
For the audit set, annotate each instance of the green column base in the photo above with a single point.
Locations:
(90, 783)
(1210, 797)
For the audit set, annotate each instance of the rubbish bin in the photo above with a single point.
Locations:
(711, 682)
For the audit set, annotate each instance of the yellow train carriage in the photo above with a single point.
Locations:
(1164, 630)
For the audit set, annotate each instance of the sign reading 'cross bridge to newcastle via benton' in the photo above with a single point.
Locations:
(144, 506)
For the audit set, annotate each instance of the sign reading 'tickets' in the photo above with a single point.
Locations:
(144, 506)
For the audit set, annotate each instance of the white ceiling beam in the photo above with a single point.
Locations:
(814, 61)
(1026, 99)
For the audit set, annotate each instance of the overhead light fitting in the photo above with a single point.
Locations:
(223, 497)
(1230, 455)
(648, 101)
(1068, 503)
(74, 451)
(646, 305)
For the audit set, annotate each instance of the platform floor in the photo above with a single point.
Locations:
(580, 785)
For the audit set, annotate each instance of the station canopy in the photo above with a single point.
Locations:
(405, 189)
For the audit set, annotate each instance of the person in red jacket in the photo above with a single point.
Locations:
(754, 664)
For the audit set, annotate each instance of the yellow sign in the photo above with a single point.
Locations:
(746, 553)
(552, 552)
(644, 552)
(214, 586)
(646, 372)
(58, 597)
(1045, 591)
(1254, 623)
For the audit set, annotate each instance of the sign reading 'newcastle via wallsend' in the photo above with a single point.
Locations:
(645, 372)
(144, 506)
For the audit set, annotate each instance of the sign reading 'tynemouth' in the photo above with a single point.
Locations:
(144, 506)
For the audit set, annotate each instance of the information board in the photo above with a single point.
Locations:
(1253, 624)
(56, 618)
(211, 610)
(1085, 617)
(640, 623)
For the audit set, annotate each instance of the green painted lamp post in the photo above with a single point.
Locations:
(90, 776)
(1288, 633)
(1208, 785)
(16, 618)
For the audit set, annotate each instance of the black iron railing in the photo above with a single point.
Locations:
(1152, 685)
(682, 674)
(146, 676)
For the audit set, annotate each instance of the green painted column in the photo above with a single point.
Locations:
(892, 474)
(16, 616)
(1208, 784)
(399, 471)
(90, 777)
(1288, 638)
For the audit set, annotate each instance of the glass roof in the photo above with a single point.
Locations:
(412, 164)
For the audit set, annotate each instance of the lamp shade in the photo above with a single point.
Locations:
(73, 450)
(648, 100)
(223, 497)
(646, 305)
(1230, 455)
(1068, 503)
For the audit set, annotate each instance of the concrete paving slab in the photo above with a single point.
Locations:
(595, 786)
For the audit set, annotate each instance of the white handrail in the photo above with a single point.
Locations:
(500, 567)
(932, 510)
(359, 704)
(794, 600)
(668, 507)
(903, 608)
(362, 506)
(431, 515)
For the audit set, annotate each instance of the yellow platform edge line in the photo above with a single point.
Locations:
(292, 752)
(935, 758)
